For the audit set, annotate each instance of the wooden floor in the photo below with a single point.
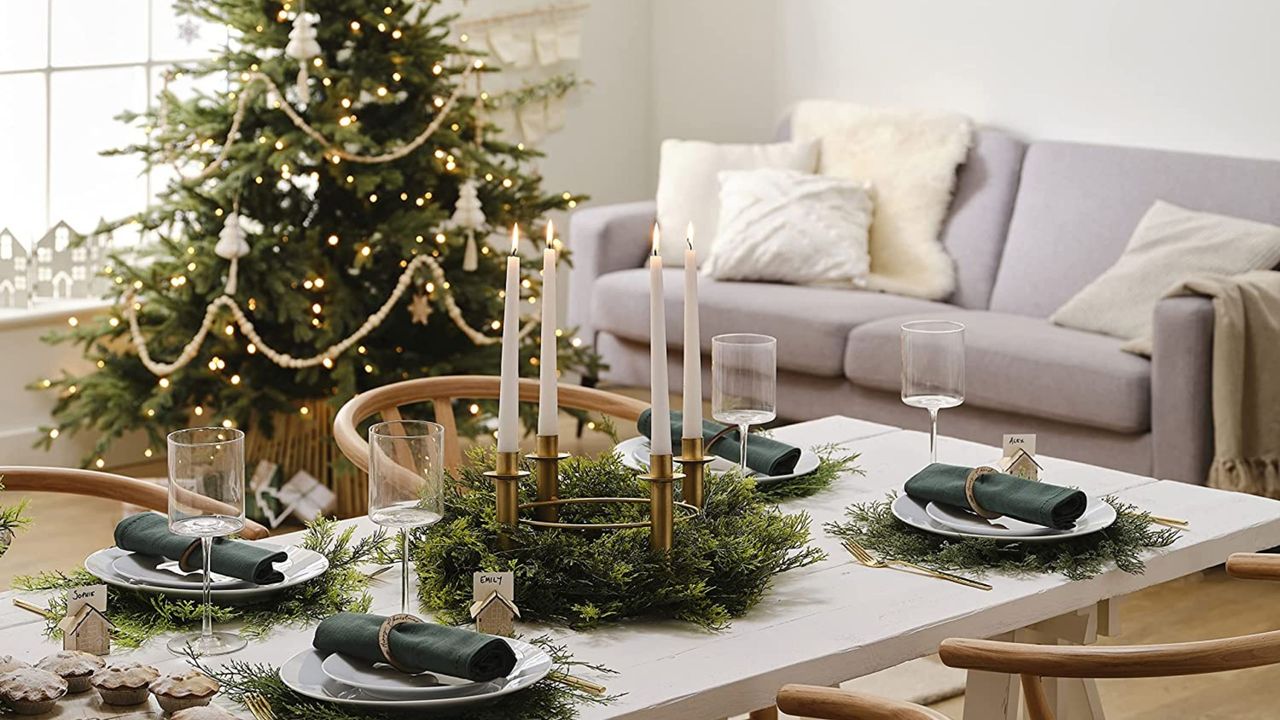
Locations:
(66, 529)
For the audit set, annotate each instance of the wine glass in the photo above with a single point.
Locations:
(744, 383)
(206, 500)
(406, 482)
(933, 370)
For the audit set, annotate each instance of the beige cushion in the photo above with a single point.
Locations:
(791, 227)
(910, 158)
(1169, 245)
(689, 185)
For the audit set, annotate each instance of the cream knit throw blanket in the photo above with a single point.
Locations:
(1246, 378)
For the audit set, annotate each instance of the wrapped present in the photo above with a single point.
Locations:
(261, 502)
(306, 497)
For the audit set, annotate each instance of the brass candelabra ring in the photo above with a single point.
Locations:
(688, 511)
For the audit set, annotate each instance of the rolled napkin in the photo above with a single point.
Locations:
(764, 455)
(1034, 502)
(418, 647)
(147, 533)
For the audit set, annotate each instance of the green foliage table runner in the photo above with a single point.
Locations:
(875, 526)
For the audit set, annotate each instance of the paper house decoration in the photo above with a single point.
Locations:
(86, 630)
(15, 290)
(65, 264)
(495, 615)
(1021, 465)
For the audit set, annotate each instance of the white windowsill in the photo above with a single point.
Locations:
(48, 313)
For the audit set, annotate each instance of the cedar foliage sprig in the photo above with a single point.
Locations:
(546, 699)
(139, 616)
(874, 525)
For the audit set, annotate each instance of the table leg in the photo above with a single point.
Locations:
(991, 696)
(769, 713)
(1072, 698)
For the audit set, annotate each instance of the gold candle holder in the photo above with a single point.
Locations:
(661, 501)
(546, 463)
(506, 489)
(693, 461)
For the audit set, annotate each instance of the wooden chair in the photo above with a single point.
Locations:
(18, 478)
(825, 703)
(1034, 662)
(387, 400)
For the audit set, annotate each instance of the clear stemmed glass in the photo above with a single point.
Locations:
(744, 383)
(206, 500)
(933, 370)
(406, 482)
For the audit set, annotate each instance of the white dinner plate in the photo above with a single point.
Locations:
(304, 674)
(162, 572)
(383, 680)
(635, 455)
(1098, 515)
(303, 565)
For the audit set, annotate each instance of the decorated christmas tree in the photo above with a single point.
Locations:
(325, 233)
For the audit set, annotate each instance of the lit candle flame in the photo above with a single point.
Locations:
(688, 235)
(551, 233)
(515, 237)
(657, 239)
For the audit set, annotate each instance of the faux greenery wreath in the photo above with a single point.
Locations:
(139, 616)
(721, 561)
(875, 526)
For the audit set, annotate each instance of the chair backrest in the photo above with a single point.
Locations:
(824, 703)
(387, 400)
(93, 483)
(1033, 662)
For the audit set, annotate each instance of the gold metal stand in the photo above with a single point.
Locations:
(693, 461)
(506, 489)
(661, 501)
(546, 459)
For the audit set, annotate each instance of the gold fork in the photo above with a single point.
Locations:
(259, 707)
(864, 557)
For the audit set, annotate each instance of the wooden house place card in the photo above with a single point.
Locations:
(494, 607)
(85, 626)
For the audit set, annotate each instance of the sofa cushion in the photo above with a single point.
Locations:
(1021, 364)
(1077, 206)
(811, 323)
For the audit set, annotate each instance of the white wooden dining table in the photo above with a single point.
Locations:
(834, 620)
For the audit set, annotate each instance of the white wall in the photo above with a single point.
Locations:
(1183, 74)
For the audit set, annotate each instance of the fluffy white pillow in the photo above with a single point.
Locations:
(791, 227)
(1169, 245)
(910, 156)
(688, 188)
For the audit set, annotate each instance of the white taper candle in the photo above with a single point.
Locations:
(509, 388)
(548, 397)
(660, 398)
(691, 417)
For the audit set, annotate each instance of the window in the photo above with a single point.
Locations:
(79, 254)
(78, 273)
(20, 264)
(67, 68)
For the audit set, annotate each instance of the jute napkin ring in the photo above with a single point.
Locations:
(969, 482)
(384, 637)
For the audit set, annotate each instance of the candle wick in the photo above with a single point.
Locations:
(689, 242)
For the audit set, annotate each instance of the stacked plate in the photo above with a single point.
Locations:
(152, 574)
(961, 523)
(635, 455)
(344, 680)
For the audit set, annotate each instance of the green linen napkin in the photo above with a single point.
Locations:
(764, 455)
(1034, 502)
(147, 533)
(418, 647)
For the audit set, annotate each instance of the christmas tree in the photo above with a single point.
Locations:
(315, 243)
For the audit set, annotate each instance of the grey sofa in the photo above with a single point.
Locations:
(1029, 226)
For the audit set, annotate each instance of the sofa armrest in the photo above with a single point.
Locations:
(604, 239)
(1182, 389)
